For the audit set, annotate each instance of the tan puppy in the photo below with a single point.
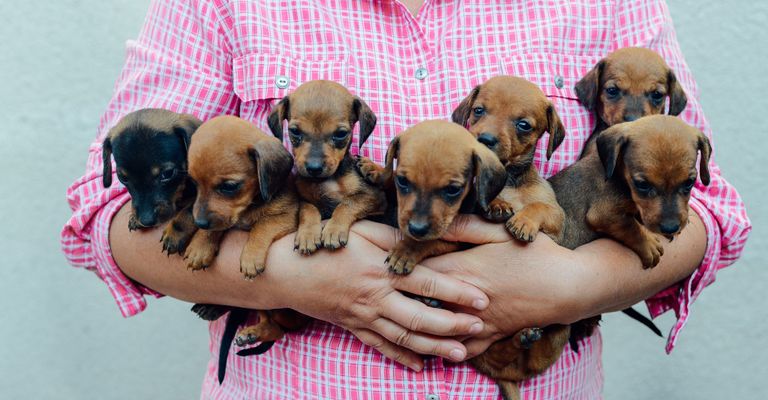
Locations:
(628, 84)
(321, 115)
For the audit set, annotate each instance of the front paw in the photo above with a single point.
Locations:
(650, 251)
(261, 332)
(370, 171)
(498, 211)
(525, 338)
(522, 227)
(252, 264)
(401, 261)
(308, 239)
(334, 235)
(174, 240)
(200, 253)
(133, 223)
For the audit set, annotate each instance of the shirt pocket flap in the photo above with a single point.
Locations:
(555, 74)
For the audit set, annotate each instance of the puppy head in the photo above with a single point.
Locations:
(150, 151)
(656, 157)
(321, 115)
(234, 165)
(509, 115)
(440, 166)
(628, 84)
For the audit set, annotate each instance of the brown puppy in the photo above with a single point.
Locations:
(321, 115)
(635, 187)
(243, 181)
(628, 84)
(509, 115)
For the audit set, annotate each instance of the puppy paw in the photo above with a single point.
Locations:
(370, 171)
(526, 337)
(308, 239)
(650, 251)
(200, 253)
(174, 240)
(522, 227)
(334, 235)
(401, 261)
(133, 223)
(252, 264)
(262, 332)
(498, 211)
(209, 312)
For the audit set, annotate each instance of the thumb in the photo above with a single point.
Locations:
(473, 229)
(383, 236)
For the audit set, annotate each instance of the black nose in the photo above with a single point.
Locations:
(418, 229)
(630, 117)
(148, 219)
(202, 223)
(314, 168)
(669, 228)
(488, 140)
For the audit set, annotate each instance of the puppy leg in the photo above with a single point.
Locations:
(203, 249)
(371, 172)
(527, 222)
(544, 352)
(179, 232)
(499, 210)
(254, 256)
(133, 222)
(336, 230)
(308, 237)
(265, 330)
(627, 231)
(408, 252)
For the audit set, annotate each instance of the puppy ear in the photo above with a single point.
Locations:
(188, 124)
(365, 117)
(461, 113)
(106, 158)
(277, 116)
(556, 130)
(706, 150)
(490, 176)
(392, 152)
(588, 88)
(610, 144)
(273, 165)
(677, 97)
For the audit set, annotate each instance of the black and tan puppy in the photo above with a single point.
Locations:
(321, 115)
(634, 189)
(509, 115)
(628, 84)
(150, 151)
(243, 182)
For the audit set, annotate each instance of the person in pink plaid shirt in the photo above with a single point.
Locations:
(410, 61)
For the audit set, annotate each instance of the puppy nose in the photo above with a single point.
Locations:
(669, 228)
(418, 229)
(314, 168)
(202, 223)
(487, 139)
(148, 219)
(630, 117)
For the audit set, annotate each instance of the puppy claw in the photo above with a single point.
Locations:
(371, 172)
(133, 223)
(400, 264)
(334, 236)
(498, 211)
(528, 336)
(308, 239)
(522, 228)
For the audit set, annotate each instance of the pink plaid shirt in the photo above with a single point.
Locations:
(239, 57)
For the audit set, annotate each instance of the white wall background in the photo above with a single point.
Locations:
(61, 336)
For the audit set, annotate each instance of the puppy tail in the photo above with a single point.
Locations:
(235, 318)
(634, 314)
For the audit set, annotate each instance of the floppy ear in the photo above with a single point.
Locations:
(392, 152)
(490, 175)
(277, 116)
(106, 158)
(461, 113)
(588, 88)
(677, 98)
(556, 130)
(365, 117)
(188, 124)
(273, 165)
(610, 144)
(706, 150)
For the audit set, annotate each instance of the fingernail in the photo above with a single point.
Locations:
(475, 328)
(416, 367)
(457, 355)
(479, 304)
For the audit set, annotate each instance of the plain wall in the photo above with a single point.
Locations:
(63, 337)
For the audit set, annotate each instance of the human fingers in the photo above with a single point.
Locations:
(390, 350)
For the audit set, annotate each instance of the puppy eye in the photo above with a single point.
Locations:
(168, 175)
(643, 187)
(612, 91)
(657, 96)
(453, 190)
(340, 135)
(295, 134)
(523, 126)
(478, 111)
(688, 185)
(402, 183)
(229, 188)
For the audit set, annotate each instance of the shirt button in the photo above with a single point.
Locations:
(433, 397)
(421, 73)
(559, 81)
(282, 81)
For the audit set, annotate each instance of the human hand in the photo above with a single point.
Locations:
(352, 288)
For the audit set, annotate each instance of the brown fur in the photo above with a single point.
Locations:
(243, 181)
(494, 112)
(600, 196)
(643, 81)
(321, 115)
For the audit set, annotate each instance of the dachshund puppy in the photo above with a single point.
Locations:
(509, 115)
(321, 115)
(634, 189)
(243, 181)
(150, 151)
(628, 84)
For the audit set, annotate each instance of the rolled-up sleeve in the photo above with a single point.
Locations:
(181, 61)
(647, 23)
